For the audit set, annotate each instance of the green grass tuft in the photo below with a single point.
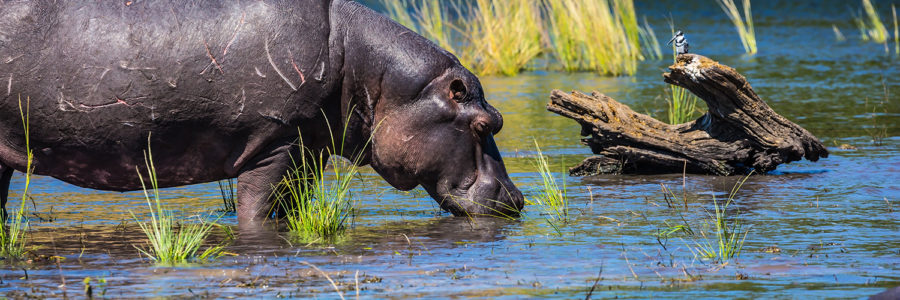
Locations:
(600, 36)
(551, 198)
(718, 237)
(682, 104)
(320, 203)
(13, 236)
(744, 25)
(171, 241)
(502, 37)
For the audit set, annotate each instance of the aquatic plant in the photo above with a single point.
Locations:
(318, 204)
(896, 32)
(874, 28)
(502, 37)
(718, 237)
(226, 190)
(649, 41)
(599, 36)
(14, 235)
(551, 198)
(170, 241)
(682, 104)
(744, 25)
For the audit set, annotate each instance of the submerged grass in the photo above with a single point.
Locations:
(551, 198)
(171, 242)
(14, 235)
(718, 237)
(744, 25)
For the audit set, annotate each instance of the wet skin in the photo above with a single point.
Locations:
(224, 88)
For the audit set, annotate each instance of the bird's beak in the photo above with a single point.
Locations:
(673, 39)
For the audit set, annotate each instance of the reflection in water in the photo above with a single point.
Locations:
(835, 222)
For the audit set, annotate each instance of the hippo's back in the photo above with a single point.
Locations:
(213, 81)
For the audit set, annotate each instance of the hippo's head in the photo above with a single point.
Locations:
(443, 139)
(429, 122)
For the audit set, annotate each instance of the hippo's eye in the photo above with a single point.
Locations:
(458, 90)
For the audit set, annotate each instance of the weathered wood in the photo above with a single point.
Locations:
(739, 133)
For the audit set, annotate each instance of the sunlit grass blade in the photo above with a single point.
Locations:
(838, 36)
(14, 235)
(896, 32)
(170, 241)
(743, 24)
(875, 28)
(649, 41)
(551, 198)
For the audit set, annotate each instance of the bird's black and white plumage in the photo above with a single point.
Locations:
(681, 44)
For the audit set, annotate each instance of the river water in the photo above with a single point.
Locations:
(816, 229)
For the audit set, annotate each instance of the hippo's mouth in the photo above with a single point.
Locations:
(486, 190)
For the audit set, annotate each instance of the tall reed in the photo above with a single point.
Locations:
(744, 25)
(599, 36)
(649, 41)
(896, 32)
(874, 28)
(171, 241)
(502, 37)
(13, 236)
(551, 197)
(837, 33)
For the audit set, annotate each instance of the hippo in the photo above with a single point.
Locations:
(228, 89)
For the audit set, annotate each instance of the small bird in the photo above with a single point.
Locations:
(681, 44)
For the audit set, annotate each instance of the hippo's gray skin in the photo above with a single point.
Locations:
(223, 86)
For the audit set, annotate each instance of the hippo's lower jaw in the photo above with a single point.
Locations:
(488, 192)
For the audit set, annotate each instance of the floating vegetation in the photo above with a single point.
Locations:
(503, 38)
(744, 25)
(551, 198)
(718, 237)
(13, 236)
(171, 241)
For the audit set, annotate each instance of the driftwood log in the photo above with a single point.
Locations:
(737, 134)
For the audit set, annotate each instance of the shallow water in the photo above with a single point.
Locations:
(835, 223)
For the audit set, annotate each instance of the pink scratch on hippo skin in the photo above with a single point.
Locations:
(213, 58)
(9, 86)
(293, 63)
(234, 36)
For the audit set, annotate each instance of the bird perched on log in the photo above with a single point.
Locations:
(681, 44)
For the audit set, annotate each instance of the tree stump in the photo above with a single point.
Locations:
(737, 134)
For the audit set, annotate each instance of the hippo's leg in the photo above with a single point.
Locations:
(258, 179)
(5, 175)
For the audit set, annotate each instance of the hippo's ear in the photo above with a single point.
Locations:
(458, 90)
